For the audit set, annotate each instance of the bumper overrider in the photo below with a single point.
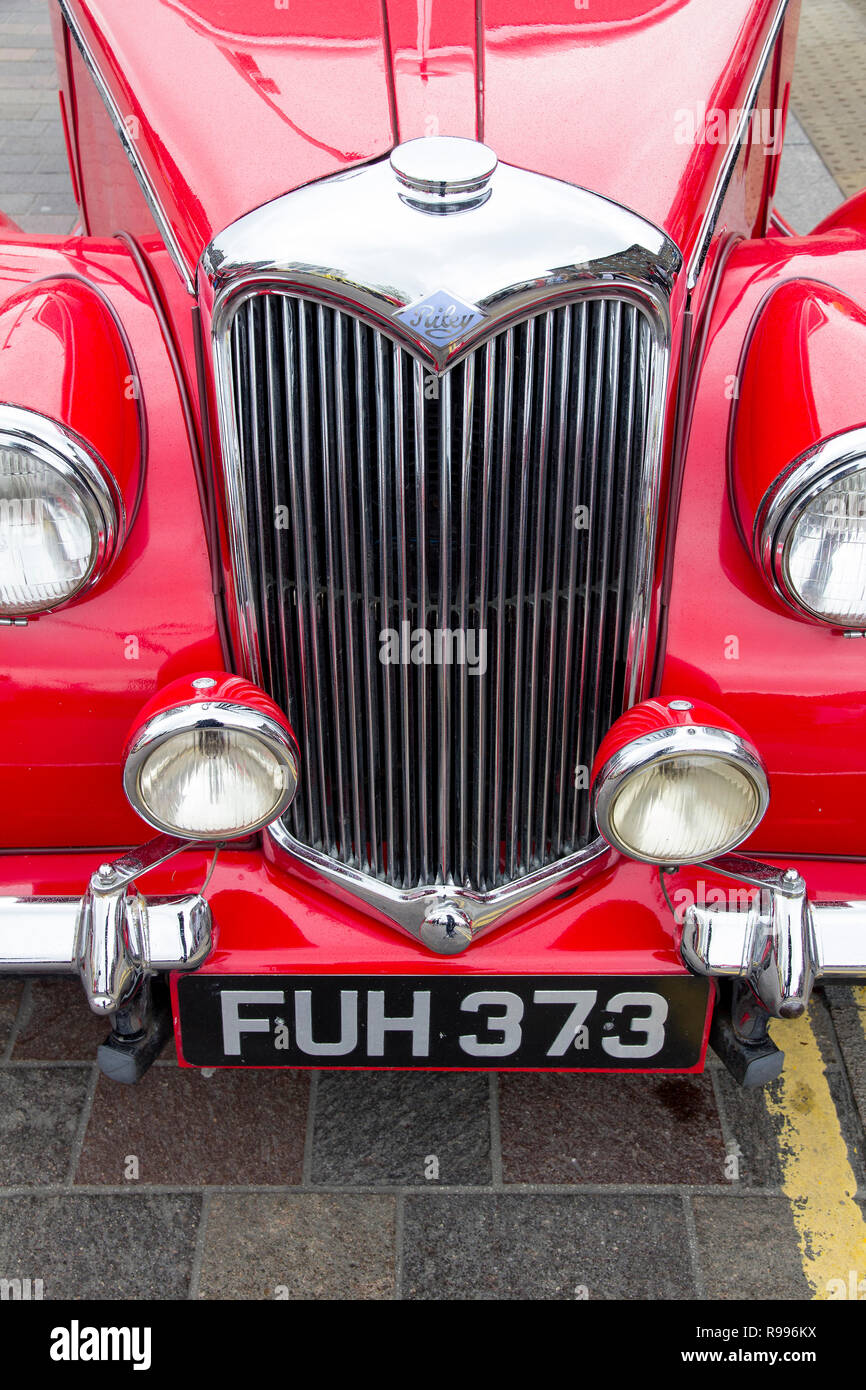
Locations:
(765, 937)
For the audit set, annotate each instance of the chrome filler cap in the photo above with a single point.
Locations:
(442, 174)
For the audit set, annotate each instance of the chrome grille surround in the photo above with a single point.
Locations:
(546, 264)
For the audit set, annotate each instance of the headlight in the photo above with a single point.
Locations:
(669, 790)
(810, 532)
(60, 515)
(211, 768)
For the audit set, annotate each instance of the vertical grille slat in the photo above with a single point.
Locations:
(423, 809)
(366, 490)
(550, 759)
(348, 523)
(406, 703)
(384, 481)
(464, 811)
(521, 543)
(482, 866)
(318, 700)
(444, 623)
(326, 408)
(445, 574)
(500, 671)
(537, 611)
(569, 706)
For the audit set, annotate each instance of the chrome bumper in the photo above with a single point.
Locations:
(780, 944)
(112, 937)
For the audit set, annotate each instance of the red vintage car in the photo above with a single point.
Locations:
(433, 500)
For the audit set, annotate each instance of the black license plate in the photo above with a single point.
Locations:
(622, 1023)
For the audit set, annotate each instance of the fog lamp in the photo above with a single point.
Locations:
(676, 782)
(211, 758)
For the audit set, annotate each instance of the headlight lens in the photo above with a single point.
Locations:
(211, 772)
(680, 795)
(47, 545)
(810, 532)
(59, 518)
(826, 553)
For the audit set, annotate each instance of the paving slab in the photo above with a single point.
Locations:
(750, 1136)
(57, 1025)
(313, 1245)
(570, 1247)
(847, 1006)
(11, 990)
(183, 1128)
(401, 1128)
(40, 1110)
(610, 1129)
(131, 1246)
(747, 1248)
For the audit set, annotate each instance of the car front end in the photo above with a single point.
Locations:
(448, 544)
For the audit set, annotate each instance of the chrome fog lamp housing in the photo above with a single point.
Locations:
(62, 516)
(810, 532)
(211, 768)
(680, 793)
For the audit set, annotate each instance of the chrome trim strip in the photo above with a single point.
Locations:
(723, 178)
(810, 474)
(665, 745)
(80, 466)
(415, 910)
(141, 174)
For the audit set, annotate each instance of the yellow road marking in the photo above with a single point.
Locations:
(859, 992)
(816, 1171)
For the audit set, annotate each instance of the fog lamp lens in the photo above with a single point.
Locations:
(684, 809)
(212, 782)
(671, 789)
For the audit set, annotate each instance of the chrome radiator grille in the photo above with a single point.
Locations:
(501, 511)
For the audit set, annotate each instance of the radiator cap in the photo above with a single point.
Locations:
(442, 174)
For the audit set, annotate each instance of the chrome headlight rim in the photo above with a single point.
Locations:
(207, 714)
(820, 468)
(673, 745)
(58, 449)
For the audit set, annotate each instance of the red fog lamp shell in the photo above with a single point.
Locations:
(677, 782)
(210, 757)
